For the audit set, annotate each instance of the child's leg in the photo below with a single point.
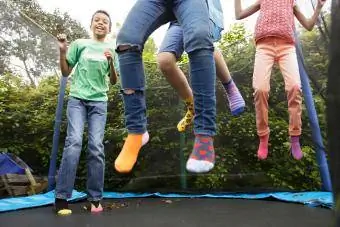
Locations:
(236, 101)
(97, 112)
(290, 70)
(177, 79)
(264, 60)
(142, 20)
(76, 117)
(174, 75)
(194, 18)
(170, 50)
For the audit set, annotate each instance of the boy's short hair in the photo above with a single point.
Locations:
(103, 12)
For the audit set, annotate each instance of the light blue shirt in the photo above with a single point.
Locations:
(216, 17)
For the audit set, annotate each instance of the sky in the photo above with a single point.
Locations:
(82, 11)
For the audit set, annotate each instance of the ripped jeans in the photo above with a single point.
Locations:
(144, 18)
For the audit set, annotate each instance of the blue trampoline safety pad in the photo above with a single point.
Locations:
(313, 199)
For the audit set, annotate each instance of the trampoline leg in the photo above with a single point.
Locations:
(313, 120)
(58, 117)
(182, 159)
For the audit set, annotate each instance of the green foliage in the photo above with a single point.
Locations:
(149, 52)
(27, 119)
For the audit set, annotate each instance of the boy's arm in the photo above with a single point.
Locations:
(68, 57)
(305, 22)
(113, 74)
(243, 13)
(64, 66)
(113, 67)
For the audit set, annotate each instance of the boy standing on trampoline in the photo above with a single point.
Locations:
(144, 18)
(172, 49)
(94, 65)
(274, 38)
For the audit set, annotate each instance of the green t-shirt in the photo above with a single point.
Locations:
(90, 78)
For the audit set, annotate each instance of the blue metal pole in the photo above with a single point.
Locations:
(313, 120)
(182, 161)
(56, 134)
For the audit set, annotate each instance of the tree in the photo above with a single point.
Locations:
(315, 51)
(149, 51)
(28, 37)
(54, 23)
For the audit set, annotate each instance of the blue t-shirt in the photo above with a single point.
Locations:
(216, 17)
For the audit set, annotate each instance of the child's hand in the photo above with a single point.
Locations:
(321, 3)
(108, 55)
(62, 42)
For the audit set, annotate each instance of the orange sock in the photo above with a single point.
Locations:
(128, 156)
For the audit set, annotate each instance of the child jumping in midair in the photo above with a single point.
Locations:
(145, 17)
(94, 66)
(274, 38)
(172, 49)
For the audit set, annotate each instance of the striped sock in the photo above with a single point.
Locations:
(236, 101)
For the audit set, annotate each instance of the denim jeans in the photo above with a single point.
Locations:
(78, 112)
(145, 17)
(173, 40)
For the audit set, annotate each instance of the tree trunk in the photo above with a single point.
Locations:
(29, 74)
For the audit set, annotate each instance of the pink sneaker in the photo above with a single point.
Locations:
(94, 207)
(97, 209)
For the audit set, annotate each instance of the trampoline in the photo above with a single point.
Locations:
(181, 212)
(140, 202)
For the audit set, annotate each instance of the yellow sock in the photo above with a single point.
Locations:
(189, 116)
(128, 156)
(64, 212)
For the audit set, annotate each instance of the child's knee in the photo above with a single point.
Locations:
(166, 61)
(261, 90)
(294, 92)
(73, 141)
(295, 88)
(128, 91)
(199, 39)
(134, 98)
(128, 47)
(128, 42)
(200, 33)
(132, 92)
(261, 94)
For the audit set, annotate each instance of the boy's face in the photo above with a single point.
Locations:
(100, 25)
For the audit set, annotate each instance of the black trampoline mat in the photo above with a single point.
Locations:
(177, 213)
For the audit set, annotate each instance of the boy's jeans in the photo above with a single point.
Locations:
(79, 112)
